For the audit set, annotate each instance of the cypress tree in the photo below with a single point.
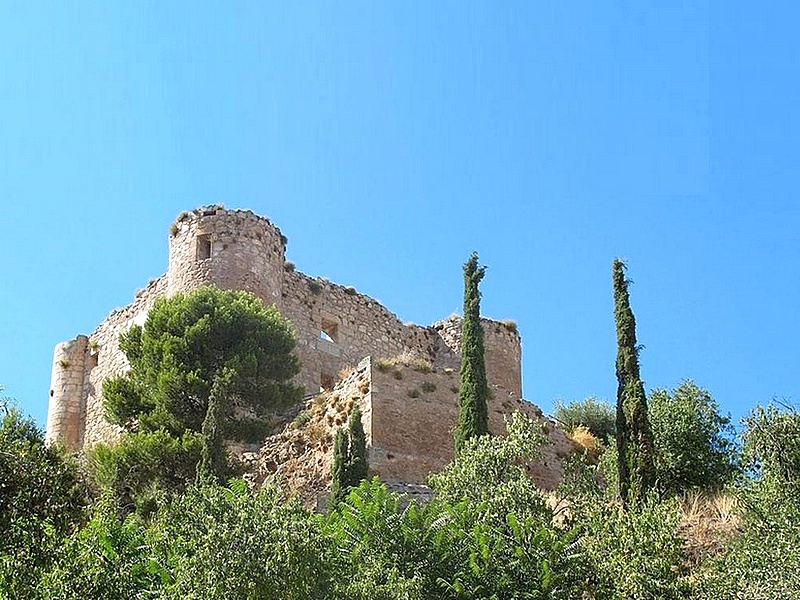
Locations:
(338, 471)
(358, 448)
(634, 438)
(349, 458)
(473, 394)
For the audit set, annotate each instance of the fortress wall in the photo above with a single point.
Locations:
(411, 437)
(105, 359)
(234, 250)
(502, 350)
(357, 326)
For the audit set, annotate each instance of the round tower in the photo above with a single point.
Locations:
(65, 411)
(231, 249)
(503, 352)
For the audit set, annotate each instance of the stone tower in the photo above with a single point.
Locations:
(234, 250)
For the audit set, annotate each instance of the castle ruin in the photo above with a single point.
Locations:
(236, 249)
(337, 328)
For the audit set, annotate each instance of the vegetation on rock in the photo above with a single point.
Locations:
(597, 416)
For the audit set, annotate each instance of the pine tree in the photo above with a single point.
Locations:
(473, 395)
(634, 437)
(349, 458)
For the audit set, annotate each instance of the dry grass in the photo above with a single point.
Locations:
(509, 324)
(709, 519)
(407, 359)
(586, 439)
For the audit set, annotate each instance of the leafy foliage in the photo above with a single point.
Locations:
(42, 499)
(473, 395)
(487, 533)
(597, 416)
(144, 468)
(763, 560)
(693, 442)
(386, 548)
(772, 446)
(493, 470)
(220, 543)
(634, 438)
(498, 539)
(109, 558)
(635, 553)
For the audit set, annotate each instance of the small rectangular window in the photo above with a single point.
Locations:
(203, 247)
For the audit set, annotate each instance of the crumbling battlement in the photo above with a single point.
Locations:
(336, 326)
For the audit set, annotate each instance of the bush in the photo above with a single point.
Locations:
(693, 442)
(221, 543)
(597, 416)
(143, 469)
(763, 560)
(635, 554)
(42, 500)
(109, 558)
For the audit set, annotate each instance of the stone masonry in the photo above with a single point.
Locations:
(408, 410)
(336, 326)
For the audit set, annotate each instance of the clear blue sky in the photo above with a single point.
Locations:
(389, 140)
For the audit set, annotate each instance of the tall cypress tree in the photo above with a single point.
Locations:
(473, 394)
(358, 448)
(339, 485)
(634, 438)
(349, 458)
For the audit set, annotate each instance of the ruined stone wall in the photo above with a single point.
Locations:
(75, 412)
(356, 325)
(108, 360)
(408, 413)
(502, 349)
(413, 415)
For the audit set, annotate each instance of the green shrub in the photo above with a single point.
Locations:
(763, 559)
(220, 543)
(428, 387)
(598, 416)
(693, 442)
(42, 501)
(636, 553)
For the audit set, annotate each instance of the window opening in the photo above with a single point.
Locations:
(325, 382)
(329, 330)
(203, 247)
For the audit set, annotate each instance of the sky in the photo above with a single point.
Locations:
(390, 140)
